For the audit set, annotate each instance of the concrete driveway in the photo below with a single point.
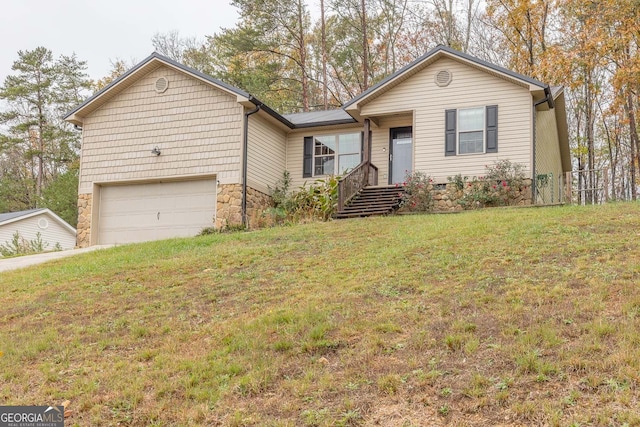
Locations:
(28, 260)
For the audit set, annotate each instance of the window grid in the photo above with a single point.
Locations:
(336, 154)
(471, 124)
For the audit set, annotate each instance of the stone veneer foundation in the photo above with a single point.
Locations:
(83, 229)
(446, 199)
(229, 205)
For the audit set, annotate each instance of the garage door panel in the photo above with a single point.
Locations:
(143, 212)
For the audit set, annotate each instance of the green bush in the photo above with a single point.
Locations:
(417, 196)
(18, 245)
(501, 186)
(317, 201)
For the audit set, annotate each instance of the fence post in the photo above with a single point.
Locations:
(568, 188)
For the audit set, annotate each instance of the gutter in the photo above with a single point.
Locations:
(245, 145)
(329, 123)
(549, 100)
(261, 105)
(291, 125)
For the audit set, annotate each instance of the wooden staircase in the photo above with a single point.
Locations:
(370, 201)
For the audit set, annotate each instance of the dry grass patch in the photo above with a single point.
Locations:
(495, 317)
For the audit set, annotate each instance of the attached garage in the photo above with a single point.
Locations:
(155, 210)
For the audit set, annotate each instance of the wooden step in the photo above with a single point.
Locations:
(373, 201)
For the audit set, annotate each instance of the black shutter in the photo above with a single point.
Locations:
(450, 132)
(307, 165)
(492, 129)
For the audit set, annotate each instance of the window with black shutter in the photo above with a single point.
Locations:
(331, 154)
(307, 166)
(471, 130)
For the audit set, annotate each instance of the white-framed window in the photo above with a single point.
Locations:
(336, 154)
(471, 130)
(471, 126)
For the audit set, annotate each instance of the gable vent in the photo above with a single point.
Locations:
(443, 78)
(161, 85)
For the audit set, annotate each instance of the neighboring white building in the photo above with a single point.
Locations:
(53, 229)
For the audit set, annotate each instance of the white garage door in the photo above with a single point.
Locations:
(160, 210)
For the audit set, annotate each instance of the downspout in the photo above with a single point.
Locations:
(549, 100)
(245, 145)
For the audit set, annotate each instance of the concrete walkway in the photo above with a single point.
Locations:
(28, 260)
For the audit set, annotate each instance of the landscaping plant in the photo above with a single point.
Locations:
(418, 193)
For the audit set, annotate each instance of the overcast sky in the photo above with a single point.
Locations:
(102, 30)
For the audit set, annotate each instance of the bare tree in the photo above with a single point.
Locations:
(174, 46)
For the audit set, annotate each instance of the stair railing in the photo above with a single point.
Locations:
(359, 177)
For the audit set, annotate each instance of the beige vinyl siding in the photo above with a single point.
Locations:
(470, 87)
(266, 154)
(548, 158)
(197, 127)
(295, 150)
(28, 229)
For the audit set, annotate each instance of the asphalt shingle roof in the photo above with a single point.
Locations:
(319, 117)
(12, 215)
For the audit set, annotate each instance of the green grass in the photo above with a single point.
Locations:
(503, 316)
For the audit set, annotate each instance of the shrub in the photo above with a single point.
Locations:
(417, 196)
(18, 245)
(459, 181)
(316, 201)
(280, 194)
(501, 186)
(277, 214)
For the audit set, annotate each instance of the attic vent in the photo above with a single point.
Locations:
(43, 223)
(161, 84)
(443, 78)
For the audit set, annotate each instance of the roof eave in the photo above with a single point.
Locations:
(354, 104)
(74, 119)
(325, 123)
(563, 130)
(77, 115)
(48, 211)
(264, 107)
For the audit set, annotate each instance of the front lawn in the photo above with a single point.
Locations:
(491, 317)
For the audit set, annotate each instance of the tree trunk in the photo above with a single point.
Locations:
(365, 48)
(303, 59)
(40, 141)
(590, 193)
(633, 134)
(323, 47)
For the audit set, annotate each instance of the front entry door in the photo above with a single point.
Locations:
(400, 154)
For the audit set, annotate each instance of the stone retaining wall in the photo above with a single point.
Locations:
(451, 198)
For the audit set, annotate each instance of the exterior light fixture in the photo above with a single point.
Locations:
(155, 151)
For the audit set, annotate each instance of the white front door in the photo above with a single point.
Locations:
(400, 154)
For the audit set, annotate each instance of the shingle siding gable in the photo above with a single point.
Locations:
(197, 127)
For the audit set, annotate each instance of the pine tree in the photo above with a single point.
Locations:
(37, 145)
